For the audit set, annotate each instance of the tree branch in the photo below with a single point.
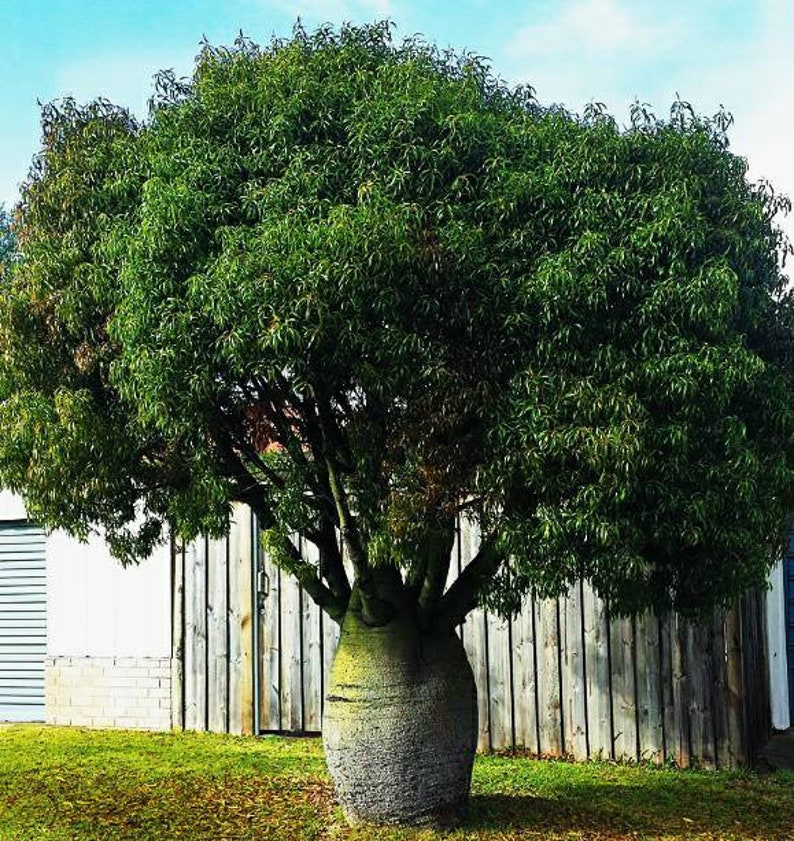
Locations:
(332, 568)
(307, 577)
(461, 598)
(437, 550)
(375, 610)
(347, 524)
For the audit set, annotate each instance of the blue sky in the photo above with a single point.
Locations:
(738, 53)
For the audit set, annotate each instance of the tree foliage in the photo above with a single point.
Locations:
(364, 287)
(7, 239)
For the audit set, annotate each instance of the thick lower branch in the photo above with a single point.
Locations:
(332, 568)
(437, 553)
(308, 577)
(347, 524)
(461, 598)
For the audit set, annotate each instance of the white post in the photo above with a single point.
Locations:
(776, 646)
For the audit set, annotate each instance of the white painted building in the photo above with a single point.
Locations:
(82, 640)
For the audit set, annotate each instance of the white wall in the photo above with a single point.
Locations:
(11, 507)
(97, 608)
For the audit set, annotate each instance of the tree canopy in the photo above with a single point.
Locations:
(7, 239)
(367, 287)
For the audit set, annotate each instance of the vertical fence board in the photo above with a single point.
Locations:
(312, 655)
(624, 709)
(235, 635)
(270, 717)
(574, 688)
(217, 637)
(649, 689)
(330, 639)
(681, 739)
(524, 678)
(499, 676)
(756, 703)
(475, 632)
(722, 744)
(548, 677)
(666, 642)
(735, 684)
(241, 619)
(596, 633)
(196, 635)
(699, 661)
(291, 689)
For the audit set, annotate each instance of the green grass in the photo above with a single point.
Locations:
(63, 783)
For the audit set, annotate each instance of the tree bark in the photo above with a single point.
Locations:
(400, 724)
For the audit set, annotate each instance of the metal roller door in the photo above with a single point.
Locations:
(23, 622)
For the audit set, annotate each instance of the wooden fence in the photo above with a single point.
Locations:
(561, 678)
(212, 681)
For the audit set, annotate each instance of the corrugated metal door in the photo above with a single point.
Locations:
(23, 622)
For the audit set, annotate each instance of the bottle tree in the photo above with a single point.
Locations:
(366, 288)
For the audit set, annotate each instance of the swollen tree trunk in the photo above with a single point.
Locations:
(400, 724)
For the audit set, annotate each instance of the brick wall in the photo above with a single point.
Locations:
(128, 692)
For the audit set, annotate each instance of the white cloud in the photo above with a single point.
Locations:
(590, 27)
(582, 50)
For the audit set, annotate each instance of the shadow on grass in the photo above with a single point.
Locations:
(685, 806)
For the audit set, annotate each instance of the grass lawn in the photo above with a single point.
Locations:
(63, 783)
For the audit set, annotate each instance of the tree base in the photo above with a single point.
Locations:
(400, 725)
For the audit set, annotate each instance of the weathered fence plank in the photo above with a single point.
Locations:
(217, 635)
(722, 745)
(699, 653)
(649, 690)
(241, 621)
(235, 637)
(547, 623)
(596, 635)
(270, 717)
(735, 692)
(681, 736)
(756, 703)
(291, 639)
(329, 640)
(177, 635)
(666, 639)
(500, 700)
(574, 687)
(624, 706)
(312, 655)
(475, 641)
(527, 735)
(196, 635)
